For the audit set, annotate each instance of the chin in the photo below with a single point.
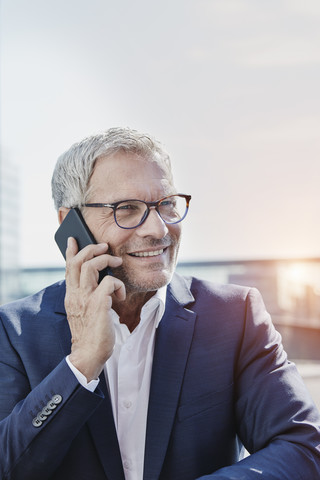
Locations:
(149, 281)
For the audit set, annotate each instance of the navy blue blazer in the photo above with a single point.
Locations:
(220, 380)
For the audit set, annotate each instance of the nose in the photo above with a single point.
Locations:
(153, 226)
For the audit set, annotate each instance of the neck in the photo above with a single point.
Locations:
(129, 310)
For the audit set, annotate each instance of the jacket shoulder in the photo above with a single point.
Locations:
(45, 301)
(211, 291)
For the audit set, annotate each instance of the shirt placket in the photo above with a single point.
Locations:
(128, 390)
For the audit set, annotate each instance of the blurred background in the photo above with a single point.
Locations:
(230, 87)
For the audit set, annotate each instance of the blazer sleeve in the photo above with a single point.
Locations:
(38, 425)
(277, 420)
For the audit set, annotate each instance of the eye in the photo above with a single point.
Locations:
(128, 206)
(168, 202)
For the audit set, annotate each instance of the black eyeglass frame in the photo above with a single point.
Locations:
(146, 214)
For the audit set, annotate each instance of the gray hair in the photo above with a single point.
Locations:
(73, 170)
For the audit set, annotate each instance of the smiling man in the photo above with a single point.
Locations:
(144, 374)
(149, 252)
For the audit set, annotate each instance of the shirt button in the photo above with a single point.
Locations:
(129, 346)
(127, 404)
(127, 464)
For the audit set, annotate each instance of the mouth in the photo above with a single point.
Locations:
(152, 253)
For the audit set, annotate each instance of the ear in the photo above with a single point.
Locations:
(62, 213)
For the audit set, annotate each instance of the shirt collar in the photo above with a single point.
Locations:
(154, 306)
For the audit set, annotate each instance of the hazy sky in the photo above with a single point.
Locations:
(231, 87)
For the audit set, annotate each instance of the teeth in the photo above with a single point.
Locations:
(147, 254)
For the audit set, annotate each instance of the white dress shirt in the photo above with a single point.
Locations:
(128, 376)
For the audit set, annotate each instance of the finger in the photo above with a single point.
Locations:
(90, 269)
(75, 260)
(112, 285)
(120, 291)
(91, 251)
(72, 275)
(72, 247)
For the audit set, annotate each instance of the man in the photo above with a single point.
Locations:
(145, 375)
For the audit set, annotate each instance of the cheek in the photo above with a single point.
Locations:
(105, 230)
(116, 239)
(175, 232)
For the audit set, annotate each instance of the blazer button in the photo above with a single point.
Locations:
(57, 399)
(41, 416)
(36, 422)
(46, 410)
(51, 405)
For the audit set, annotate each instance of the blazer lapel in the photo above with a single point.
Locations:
(101, 423)
(173, 341)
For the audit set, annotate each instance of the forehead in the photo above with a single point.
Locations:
(127, 175)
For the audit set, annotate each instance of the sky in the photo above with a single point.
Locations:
(230, 87)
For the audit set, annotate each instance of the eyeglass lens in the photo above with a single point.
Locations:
(130, 213)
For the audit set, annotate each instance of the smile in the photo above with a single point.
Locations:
(147, 254)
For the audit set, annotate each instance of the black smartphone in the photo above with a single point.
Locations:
(75, 226)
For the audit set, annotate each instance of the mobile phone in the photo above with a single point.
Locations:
(75, 226)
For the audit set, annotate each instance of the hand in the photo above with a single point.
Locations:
(88, 306)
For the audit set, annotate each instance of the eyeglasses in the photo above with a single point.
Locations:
(132, 213)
